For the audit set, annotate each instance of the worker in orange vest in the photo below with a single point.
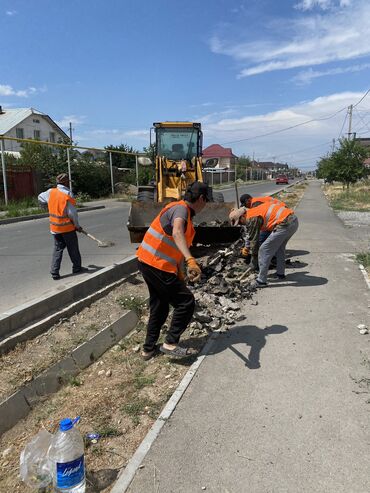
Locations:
(64, 223)
(281, 222)
(248, 201)
(161, 258)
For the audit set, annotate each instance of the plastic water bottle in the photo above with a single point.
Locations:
(66, 455)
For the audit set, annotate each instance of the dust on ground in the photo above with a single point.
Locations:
(119, 396)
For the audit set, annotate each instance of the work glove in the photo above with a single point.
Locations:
(244, 252)
(194, 271)
(235, 215)
(79, 228)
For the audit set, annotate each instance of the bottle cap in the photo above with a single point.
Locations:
(66, 424)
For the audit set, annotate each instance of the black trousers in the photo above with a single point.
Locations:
(166, 289)
(61, 241)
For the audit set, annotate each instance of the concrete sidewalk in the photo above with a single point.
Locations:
(274, 408)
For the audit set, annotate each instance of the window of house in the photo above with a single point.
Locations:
(19, 133)
(37, 134)
(52, 136)
(36, 121)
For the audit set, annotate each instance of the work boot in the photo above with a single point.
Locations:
(81, 270)
(278, 277)
(56, 277)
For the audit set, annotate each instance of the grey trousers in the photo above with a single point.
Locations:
(275, 245)
(61, 241)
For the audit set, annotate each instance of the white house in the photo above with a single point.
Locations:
(27, 123)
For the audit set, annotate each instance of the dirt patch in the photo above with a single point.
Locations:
(356, 198)
(29, 359)
(119, 396)
(292, 196)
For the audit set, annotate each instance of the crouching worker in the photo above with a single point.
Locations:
(281, 222)
(161, 258)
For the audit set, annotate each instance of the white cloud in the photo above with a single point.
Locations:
(322, 4)
(7, 90)
(74, 119)
(306, 41)
(306, 77)
(317, 135)
(10, 13)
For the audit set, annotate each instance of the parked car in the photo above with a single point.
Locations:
(282, 179)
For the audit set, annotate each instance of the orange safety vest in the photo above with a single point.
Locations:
(159, 249)
(254, 200)
(272, 214)
(59, 221)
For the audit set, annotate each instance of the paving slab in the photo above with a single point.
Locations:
(274, 406)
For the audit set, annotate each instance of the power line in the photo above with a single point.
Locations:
(363, 97)
(303, 150)
(344, 122)
(286, 128)
(365, 124)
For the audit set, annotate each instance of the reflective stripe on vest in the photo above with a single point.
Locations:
(57, 203)
(159, 249)
(272, 214)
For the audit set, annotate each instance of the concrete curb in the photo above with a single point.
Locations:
(127, 475)
(19, 404)
(20, 317)
(40, 216)
(364, 273)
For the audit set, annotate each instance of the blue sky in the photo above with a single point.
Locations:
(242, 68)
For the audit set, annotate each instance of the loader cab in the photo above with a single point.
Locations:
(178, 140)
(178, 158)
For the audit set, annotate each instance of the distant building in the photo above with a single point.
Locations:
(27, 123)
(216, 156)
(363, 141)
(268, 165)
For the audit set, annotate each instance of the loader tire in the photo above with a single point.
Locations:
(145, 196)
(218, 197)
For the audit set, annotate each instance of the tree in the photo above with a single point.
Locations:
(241, 166)
(121, 160)
(349, 161)
(326, 169)
(346, 164)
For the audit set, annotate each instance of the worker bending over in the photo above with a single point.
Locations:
(281, 222)
(248, 201)
(161, 257)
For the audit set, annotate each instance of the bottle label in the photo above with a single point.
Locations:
(70, 474)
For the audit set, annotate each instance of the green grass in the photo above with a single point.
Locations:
(135, 303)
(364, 259)
(354, 200)
(109, 431)
(142, 381)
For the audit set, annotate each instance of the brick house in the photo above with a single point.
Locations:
(216, 156)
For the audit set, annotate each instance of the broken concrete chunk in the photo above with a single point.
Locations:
(361, 326)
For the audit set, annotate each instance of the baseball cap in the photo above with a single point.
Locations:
(62, 177)
(198, 189)
(244, 198)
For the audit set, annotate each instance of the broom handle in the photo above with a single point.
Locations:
(90, 236)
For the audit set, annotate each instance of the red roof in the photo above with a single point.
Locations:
(216, 150)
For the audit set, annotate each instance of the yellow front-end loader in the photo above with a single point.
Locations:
(178, 163)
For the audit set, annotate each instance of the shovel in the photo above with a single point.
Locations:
(101, 244)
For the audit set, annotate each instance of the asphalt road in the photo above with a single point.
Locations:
(25, 248)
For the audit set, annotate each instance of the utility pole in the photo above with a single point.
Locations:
(350, 108)
(70, 132)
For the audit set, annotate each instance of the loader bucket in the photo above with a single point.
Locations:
(211, 225)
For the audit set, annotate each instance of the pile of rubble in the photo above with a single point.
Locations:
(224, 286)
